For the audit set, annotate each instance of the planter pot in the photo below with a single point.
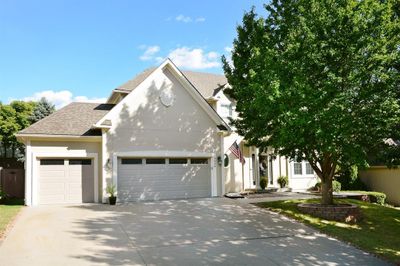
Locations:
(112, 200)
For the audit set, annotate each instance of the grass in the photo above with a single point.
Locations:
(377, 233)
(8, 212)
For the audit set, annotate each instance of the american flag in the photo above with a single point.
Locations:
(236, 151)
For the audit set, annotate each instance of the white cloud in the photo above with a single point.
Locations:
(149, 53)
(61, 98)
(200, 19)
(182, 18)
(187, 19)
(194, 58)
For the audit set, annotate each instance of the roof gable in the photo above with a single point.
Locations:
(207, 84)
(150, 75)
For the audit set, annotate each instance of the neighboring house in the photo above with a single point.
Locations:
(162, 135)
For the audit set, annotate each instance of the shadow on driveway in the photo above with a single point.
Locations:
(204, 232)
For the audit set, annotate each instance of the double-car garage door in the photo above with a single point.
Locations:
(163, 178)
(65, 181)
(71, 180)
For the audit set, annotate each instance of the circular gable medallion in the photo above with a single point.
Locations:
(167, 97)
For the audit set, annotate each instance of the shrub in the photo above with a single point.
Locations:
(3, 196)
(336, 186)
(317, 186)
(370, 196)
(350, 179)
(378, 197)
(263, 182)
(283, 181)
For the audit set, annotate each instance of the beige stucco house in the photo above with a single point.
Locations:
(162, 135)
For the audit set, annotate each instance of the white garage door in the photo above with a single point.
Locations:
(65, 181)
(163, 178)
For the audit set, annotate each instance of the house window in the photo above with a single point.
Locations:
(226, 110)
(177, 161)
(131, 161)
(302, 168)
(297, 167)
(80, 162)
(155, 161)
(52, 162)
(199, 161)
(309, 169)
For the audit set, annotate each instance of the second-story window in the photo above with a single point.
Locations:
(226, 110)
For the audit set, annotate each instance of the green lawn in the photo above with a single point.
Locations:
(8, 213)
(378, 232)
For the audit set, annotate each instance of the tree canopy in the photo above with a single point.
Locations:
(42, 109)
(16, 116)
(13, 118)
(318, 80)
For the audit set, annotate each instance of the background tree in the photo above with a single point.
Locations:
(318, 81)
(13, 118)
(42, 109)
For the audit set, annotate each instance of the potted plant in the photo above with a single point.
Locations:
(112, 199)
(283, 181)
(263, 182)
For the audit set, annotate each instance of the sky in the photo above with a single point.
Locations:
(81, 50)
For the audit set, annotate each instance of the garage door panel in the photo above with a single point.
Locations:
(65, 183)
(52, 173)
(52, 188)
(163, 181)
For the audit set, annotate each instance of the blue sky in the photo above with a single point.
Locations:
(81, 50)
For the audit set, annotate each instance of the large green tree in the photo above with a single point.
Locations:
(318, 80)
(13, 118)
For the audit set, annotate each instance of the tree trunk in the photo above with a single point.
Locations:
(327, 191)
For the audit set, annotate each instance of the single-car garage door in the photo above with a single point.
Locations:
(65, 181)
(163, 178)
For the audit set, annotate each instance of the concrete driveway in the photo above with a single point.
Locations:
(183, 232)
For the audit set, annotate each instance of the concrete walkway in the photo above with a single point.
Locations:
(193, 232)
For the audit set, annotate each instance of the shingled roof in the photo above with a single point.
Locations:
(75, 119)
(207, 84)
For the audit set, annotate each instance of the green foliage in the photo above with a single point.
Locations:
(350, 179)
(263, 182)
(283, 181)
(377, 197)
(43, 108)
(13, 118)
(317, 186)
(318, 80)
(111, 190)
(3, 195)
(336, 186)
(370, 234)
(370, 196)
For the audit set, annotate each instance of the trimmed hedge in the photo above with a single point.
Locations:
(370, 196)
